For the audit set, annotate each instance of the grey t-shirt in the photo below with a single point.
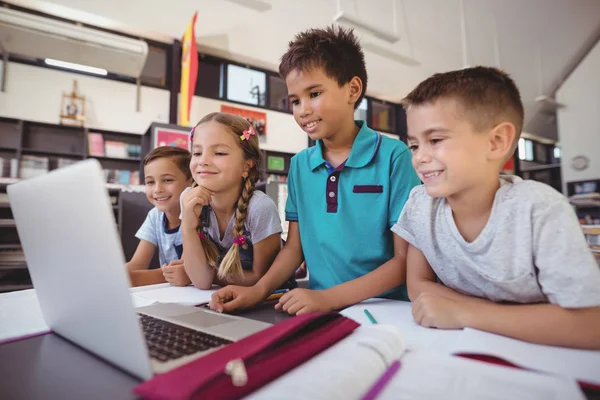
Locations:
(531, 250)
(168, 241)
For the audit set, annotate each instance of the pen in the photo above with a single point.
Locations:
(382, 382)
(373, 321)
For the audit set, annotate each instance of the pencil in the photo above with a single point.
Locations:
(274, 296)
(373, 321)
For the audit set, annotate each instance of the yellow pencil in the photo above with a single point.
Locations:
(274, 296)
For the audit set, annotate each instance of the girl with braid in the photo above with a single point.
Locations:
(231, 233)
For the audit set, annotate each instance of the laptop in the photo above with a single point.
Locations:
(67, 229)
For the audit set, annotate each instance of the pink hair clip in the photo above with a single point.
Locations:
(248, 133)
(192, 135)
(240, 240)
(202, 235)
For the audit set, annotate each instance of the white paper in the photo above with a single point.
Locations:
(583, 365)
(428, 376)
(398, 314)
(139, 301)
(188, 295)
(20, 315)
(343, 371)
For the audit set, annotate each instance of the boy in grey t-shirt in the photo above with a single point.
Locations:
(479, 240)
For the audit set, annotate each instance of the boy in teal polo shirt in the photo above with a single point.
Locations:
(344, 193)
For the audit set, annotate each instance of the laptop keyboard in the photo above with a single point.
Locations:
(167, 341)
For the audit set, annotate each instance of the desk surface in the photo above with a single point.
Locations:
(49, 367)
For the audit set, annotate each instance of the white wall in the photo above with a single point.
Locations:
(579, 121)
(283, 134)
(35, 93)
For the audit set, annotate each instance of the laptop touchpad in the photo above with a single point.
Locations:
(202, 319)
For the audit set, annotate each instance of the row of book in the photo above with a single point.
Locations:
(8, 167)
(122, 176)
(97, 146)
(277, 178)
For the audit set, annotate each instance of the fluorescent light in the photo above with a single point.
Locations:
(382, 51)
(257, 5)
(343, 18)
(76, 67)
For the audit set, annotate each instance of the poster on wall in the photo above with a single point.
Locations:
(171, 137)
(256, 118)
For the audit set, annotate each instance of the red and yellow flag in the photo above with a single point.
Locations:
(189, 72)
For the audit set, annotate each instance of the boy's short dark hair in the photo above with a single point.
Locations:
(334, 49)
(180, 156)
(487, 95)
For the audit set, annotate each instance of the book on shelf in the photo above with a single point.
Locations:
(32, 166)
(96, 144)
(122, 176)
(115, 149)
(8, 167)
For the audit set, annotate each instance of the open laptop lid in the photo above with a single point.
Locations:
(67, 229)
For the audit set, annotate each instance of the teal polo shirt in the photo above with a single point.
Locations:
(345, 214)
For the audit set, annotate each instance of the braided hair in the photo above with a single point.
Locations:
(231, 265)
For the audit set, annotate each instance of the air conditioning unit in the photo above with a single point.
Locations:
(40, 37)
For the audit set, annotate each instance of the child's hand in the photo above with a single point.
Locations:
(174, 273)
(232, 297)
(192, 203)
(301, 301)
(433, 311)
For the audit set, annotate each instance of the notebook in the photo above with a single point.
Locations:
(582, 365)
(352, 368)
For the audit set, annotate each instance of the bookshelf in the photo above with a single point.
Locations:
(29, 148)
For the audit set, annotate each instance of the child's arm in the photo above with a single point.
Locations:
(264, 252)
(437, 306)
(386, 277)
(146, 277)
(420, 278)
(568, 276)
(196, 265)
(142, 257)
(539, 323)
(289, 258)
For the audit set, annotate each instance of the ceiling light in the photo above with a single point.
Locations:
(392, 55)
(347, 19)
(257, 5)
(76, 67)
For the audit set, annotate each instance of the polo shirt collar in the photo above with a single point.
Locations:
(364, 148)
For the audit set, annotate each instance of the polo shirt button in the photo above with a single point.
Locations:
(332, 178)
(331, 194)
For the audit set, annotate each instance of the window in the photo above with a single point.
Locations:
(278, 94)
(383, 117)
(557, 153)
(246, 85)
(525, 149)
(209, 81)
(155, 69)
(361, 111)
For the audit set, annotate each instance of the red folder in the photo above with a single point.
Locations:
(244, 366)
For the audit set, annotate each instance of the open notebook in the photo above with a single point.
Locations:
(352, 367)
(582, 365)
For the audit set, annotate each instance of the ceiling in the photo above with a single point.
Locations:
(536, 41)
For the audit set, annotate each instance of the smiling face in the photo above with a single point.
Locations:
(164, 182)
(218, 161)
(320, 105)
(449, 156)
